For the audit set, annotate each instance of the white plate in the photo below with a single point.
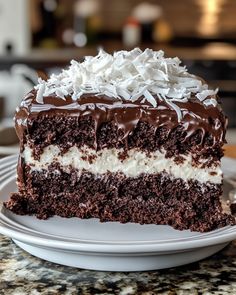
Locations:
(106, 246)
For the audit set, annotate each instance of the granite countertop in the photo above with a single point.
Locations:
(21, 273)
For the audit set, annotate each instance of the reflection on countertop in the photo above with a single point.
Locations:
(21, 273)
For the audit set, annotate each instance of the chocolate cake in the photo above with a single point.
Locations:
(128, 137)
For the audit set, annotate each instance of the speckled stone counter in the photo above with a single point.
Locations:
(21, 273)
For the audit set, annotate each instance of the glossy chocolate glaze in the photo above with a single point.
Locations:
(209, 120)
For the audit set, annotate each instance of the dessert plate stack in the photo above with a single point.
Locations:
(106, 246)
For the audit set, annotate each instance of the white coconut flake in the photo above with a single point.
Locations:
(150, 98)
(204, 94)
(129, 75)
(175, 108)
(41, 90)
(210, 101)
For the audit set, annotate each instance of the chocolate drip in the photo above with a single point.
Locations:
(209, 120)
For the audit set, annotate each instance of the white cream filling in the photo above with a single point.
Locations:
(136, 163)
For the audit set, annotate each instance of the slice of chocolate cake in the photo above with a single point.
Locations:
(128, 137)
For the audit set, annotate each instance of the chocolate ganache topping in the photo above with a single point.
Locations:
(127, 88)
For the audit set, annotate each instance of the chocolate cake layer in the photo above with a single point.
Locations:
(69, 131)
(156, 199)
(112, 122)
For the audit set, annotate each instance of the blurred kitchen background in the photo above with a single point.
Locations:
(38, 37)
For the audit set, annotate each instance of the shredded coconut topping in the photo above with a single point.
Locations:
(128, 75)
